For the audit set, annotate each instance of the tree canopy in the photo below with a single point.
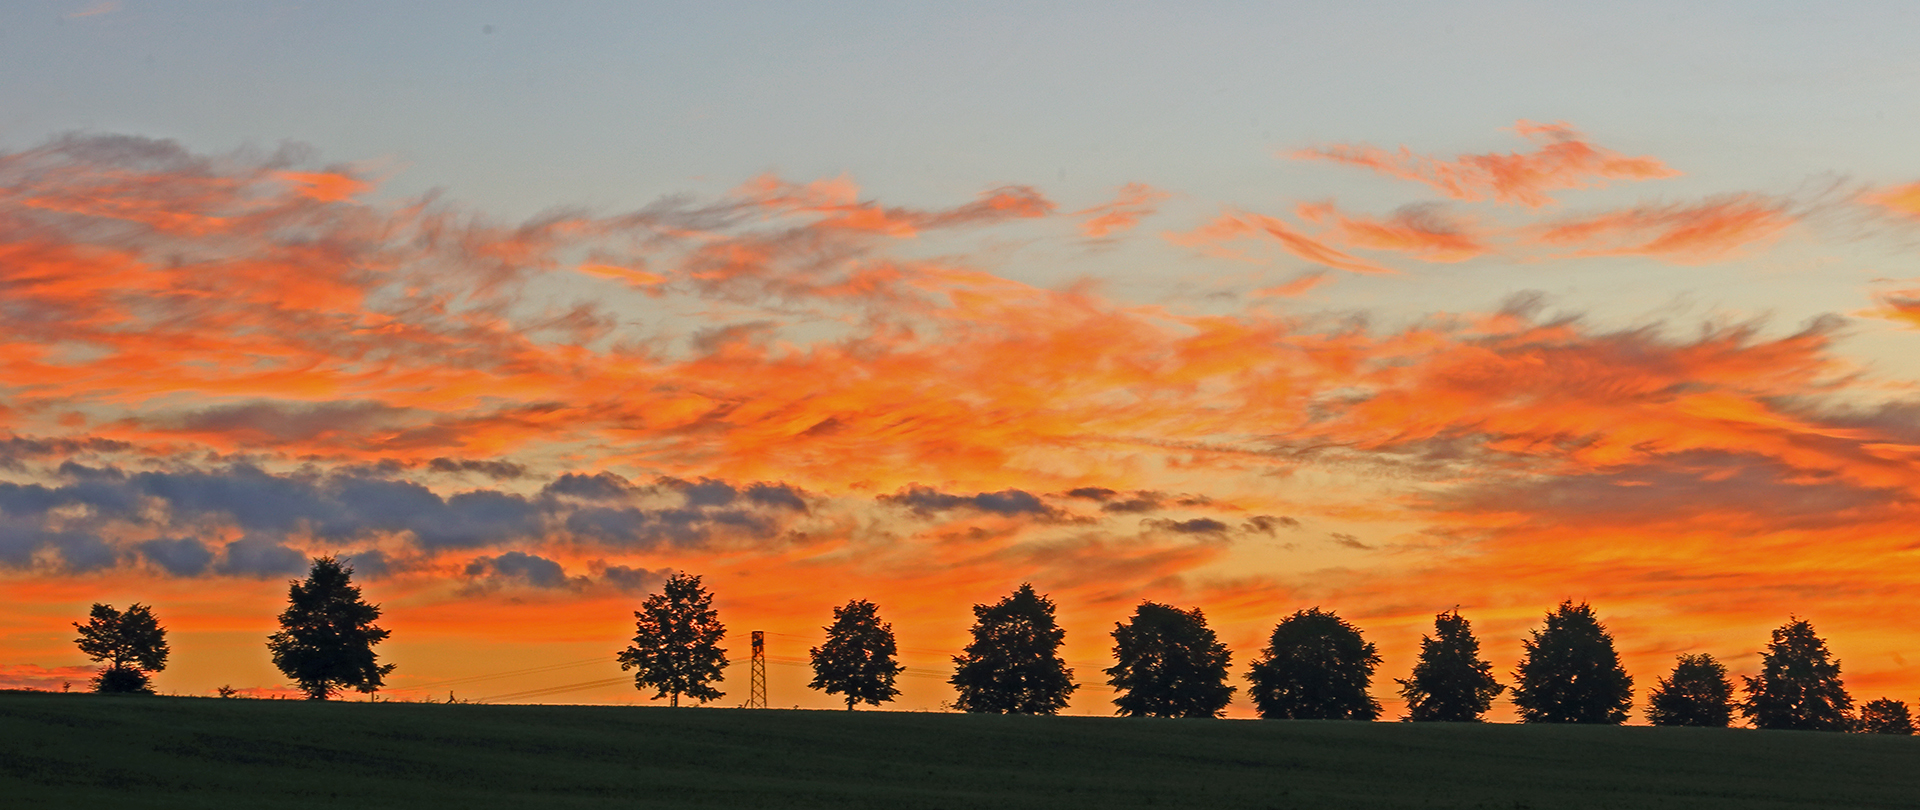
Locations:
(1315, 667)
(1168, 663)
(857, 660)
(1570, 672)
(327, 634)
(676, 643)
(1885, 716)
(1696, 694)
(132, 644)
(1450, 681)
(1013, 664)
(1798, 687)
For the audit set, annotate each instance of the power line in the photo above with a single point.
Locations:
(555, 690)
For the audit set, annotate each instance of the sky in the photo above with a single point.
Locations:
(1388, 309)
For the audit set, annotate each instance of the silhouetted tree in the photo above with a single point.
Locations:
(1450, 681)
(327, 634)
(676, 643)
(1315, 667)
(132, 644)
(1696, 694)
(1798, 687)
(857, 660)
(1013, 664)
(1571, 673)
(1168, 663)
(1885, 716)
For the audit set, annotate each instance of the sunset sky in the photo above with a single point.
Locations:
(1253, 308)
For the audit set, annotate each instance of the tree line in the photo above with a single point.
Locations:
(1167, 663)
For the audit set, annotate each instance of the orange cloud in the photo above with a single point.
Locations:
(1426, 232)
(1704, 232)
(1904, 200)
(837, 199)
(326, 186)
(1136, 200)
(1564, 160)
(1241, 225)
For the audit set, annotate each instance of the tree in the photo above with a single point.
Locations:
(676, 643)
(327, 634)
(1168, 663)
(131, 644)
(1571, 673)
(1798, 687)
(1315, 667)
(1013, 664)
(1450, 681)
(1885, 716)
(1696, 694)
(857, 660)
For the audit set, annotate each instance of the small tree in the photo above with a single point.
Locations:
(1450, 682)
(1885, 716)
(676, 643)
(857, 660)
(1013, 664)
(1798, 686)
(1696, 694)
(1168, 663)
(1315, 667)
(327, 634)
(1571, 673)
(131, 644)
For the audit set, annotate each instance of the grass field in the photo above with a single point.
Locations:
(61, 750)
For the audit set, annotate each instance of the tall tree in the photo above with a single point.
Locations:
(1168, 663)
(857, 659)
(1696, 694)
(1316, 666)
(327, 634)
(1013, 664)
(676, 643)
(1885, 716)
(1450, 682)
(1571, 673)
(131, 644)
(1798, 687)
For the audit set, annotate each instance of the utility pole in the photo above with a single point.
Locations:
(757, 691)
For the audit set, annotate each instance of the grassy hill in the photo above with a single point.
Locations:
(59, 750)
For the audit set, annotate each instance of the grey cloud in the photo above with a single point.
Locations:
(603, 486)
(1269, 524)
(372, 563)
(181, 556)
(628, 579)
(648, 528)
(1194, 526)
(704, 492)
(1140, 502)
(261, 558)
(1091, 493)
(288, 421)
(20, 541)
(496, 470)
(519, 568)
(478, 518)
(14, 449)
(1349, 541)
(926, 500)
(779, 495)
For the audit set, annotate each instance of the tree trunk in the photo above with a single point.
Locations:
(673, 700)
